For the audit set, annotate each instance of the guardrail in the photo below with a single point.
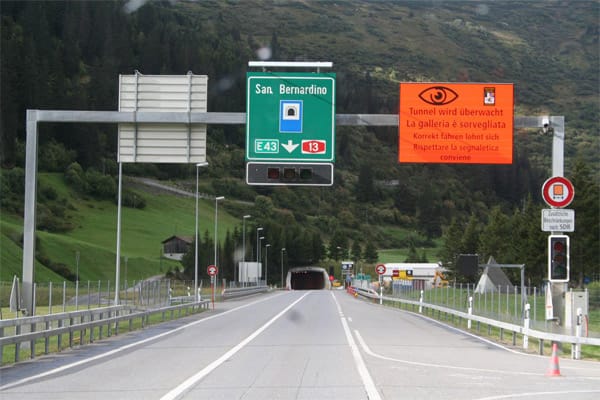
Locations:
(231, 293)
(70, 323)
(524, 330)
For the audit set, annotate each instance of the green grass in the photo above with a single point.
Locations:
(400, 255)
(11, 254)
(95, 235)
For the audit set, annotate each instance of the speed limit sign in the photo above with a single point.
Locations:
(380, 269)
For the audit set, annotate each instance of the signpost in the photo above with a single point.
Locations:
(290, 117)
(380, 269)
(347, 267)
(464, 123)
(558, 220)
(212, 271)
(290, 128)
(347, 272)
(165, 142)
(558, 192)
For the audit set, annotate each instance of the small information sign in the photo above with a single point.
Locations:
(558, 220)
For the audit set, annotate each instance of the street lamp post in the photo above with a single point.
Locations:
(257, 249)
(203, 164)
(260, 239)
(282, 250)
(267, 263)
(244, 246)
(216, 228)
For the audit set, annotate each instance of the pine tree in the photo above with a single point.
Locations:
(496, 238)
(452, 245)
(370, 254)
(470, 238)
(356, 251)
(585, 241)
(365, 188)
(529, 242)
(318, 247)
(413, 256)
(337, 245)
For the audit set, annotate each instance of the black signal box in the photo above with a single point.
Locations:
(289, 174)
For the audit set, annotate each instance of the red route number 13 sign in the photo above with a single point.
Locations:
(456, 123)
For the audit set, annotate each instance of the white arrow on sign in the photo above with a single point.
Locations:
(290, 146)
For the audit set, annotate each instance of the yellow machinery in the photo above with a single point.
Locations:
(439, 280)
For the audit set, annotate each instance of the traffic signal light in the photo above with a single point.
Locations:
(287, 173)
(558, 258)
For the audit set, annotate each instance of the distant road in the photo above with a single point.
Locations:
(167, 188)
(171, 189)
(298, 345)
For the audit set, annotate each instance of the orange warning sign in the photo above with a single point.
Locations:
(457, 123)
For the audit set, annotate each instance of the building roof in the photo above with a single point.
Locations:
(186, 239)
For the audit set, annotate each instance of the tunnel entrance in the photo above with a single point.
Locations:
(308, 278)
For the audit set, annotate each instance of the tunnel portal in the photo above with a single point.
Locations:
(307, 278)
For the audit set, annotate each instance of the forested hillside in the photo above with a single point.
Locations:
(69, 54)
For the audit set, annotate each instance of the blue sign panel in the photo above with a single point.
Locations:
(290, 116)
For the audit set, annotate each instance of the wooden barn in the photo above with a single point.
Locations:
(175, 246)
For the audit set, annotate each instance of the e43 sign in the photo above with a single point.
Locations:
(290, 117)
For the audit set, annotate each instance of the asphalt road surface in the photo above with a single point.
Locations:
(298, 345)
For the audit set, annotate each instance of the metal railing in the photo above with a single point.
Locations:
(502, 304)
(28, 332)
(53, 297)
(231, 293)
(523, 329)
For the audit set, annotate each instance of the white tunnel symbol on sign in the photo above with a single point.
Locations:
(291, 111)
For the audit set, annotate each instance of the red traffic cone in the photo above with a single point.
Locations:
(554, 369)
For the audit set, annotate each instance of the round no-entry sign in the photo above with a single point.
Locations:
(558, 192)
(212, 270)
(380, 269)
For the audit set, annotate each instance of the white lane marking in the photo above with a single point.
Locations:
(532, 394)
(126, 347)
(367, 350)
(368, 383)
(191, 381)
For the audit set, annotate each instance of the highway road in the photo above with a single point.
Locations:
(298, 345)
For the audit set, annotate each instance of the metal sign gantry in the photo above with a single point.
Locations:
(553, 124)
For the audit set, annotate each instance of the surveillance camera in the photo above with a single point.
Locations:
(545, 126)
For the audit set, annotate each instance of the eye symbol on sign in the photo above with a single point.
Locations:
(438, 95)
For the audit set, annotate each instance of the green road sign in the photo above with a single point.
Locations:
(290, 117)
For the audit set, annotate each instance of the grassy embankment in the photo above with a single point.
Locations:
(94, 236)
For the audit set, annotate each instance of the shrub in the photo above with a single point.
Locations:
(54, 157)
(133, 200)
(102, 186)
(47, 193)
(75, 177)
